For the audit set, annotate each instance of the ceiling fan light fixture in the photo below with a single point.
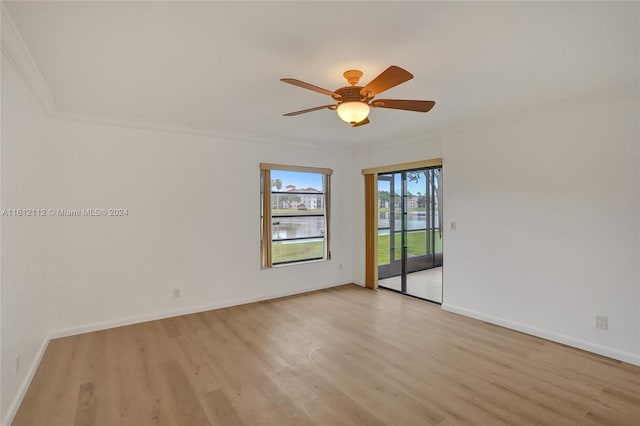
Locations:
(353, 111)
(353, 102)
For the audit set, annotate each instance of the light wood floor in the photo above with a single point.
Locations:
(344, 356)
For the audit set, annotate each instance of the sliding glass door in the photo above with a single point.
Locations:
(410, 232)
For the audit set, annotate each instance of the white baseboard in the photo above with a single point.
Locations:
(103, 325)
(555, 337)
(17, 400)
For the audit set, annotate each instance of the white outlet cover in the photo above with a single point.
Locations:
(602, 322)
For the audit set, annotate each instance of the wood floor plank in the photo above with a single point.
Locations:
(179, 396)
(341, 356)
(322, 401)
(199, 368)
(220, 410)
(133, 395)
(55, 386)
(260, 402)
(88, 405)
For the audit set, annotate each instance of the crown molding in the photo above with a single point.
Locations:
(17, 53)
(588, 99)
(145, 125)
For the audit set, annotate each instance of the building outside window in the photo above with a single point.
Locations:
(295, 214)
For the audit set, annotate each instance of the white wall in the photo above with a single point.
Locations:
(193, 223)
(25, 308)
(547, 206)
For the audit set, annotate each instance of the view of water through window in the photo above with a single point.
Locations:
(298, 216)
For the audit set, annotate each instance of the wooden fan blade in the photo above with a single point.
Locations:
(362, 123)
(307, 86)
(420, 106)
(389, 78)
(308, 110)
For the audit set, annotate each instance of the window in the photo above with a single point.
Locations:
(295, 214)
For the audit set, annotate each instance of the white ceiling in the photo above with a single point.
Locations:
(215, 66)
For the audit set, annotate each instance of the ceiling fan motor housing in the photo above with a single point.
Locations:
(349, 94)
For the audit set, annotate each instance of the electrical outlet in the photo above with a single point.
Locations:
(602, 322)
(176, 292)
(17, 364)
(453, 226)
(340, 267)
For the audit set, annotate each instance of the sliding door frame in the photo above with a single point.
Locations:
(371, 212)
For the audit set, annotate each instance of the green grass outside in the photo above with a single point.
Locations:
(295, 212)
(292, 251)
(416, 245)
(399, 212)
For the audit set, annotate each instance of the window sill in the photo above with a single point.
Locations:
(302, 262)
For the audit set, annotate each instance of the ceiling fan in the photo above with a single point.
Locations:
(353, 102)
